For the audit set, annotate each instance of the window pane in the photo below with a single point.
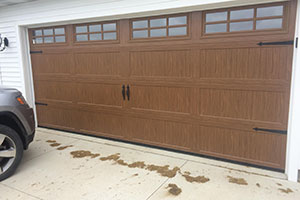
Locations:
(215, 28)
(37, 41)
(48, 40)
(37, 33)
(158, 22)
(81, 29)
(158, 32)
(81, 37)
(214, 17)
(110, 36)
(60, 38)
(270, 11)
(59, 31)
(140, 34)
(95, 36)
(48, 31)
(268, 24)
(95, 28)
(241, 26)
(177, 20)
(242, 14)
(109, 27)
(177, 31)
(140, 24)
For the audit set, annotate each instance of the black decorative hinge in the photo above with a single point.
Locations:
(271, 130)
(41, 104)
(291, 42)
(36, 51)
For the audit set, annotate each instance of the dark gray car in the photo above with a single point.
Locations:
(17, 127)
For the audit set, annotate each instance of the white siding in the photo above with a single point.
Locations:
(10, 73)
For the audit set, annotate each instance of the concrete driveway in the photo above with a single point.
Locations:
(62, 165)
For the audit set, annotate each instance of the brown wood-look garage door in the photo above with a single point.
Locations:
(199, 82)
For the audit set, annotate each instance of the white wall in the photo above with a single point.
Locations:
(15, 68)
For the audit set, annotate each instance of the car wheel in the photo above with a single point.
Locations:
(11, 151)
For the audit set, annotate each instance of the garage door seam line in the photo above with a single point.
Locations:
(21, 191)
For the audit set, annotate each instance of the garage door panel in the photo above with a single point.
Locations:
(160, 63)
(55, 63)
(98, 63)
(250, 105)
(59, 91)
(243, 63)
(100, 94)
(57, 117)
(270, 106)
(256, 148)
(102, 124)
(161, 98)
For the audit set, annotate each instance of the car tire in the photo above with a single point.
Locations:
(13, 143)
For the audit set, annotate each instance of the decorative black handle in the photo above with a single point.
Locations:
(128, 92)
(123, 92)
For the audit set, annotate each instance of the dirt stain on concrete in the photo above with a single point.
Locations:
(197, 179)
(64, 147)
(163, 170)
(122, 162)
(51, 141)
(55, 144)
(239, 181)
(174, 189)
(288, 190)
(113, 157)
(82, 154)
(138, 164)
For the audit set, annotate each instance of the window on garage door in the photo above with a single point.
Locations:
(100, 31)
(247, 19)
(49, 35)
(160, 27)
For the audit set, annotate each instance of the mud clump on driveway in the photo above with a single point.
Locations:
(191, 179)
(174, 189)
(288, 190)
(82, 154)
(113, 157)
(164, 170)
(54, 144)
(122, 162)
(137, 165)
(239, 181)
(64, 147)
(51, 141)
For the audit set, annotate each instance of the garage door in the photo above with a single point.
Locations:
(209, 82)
